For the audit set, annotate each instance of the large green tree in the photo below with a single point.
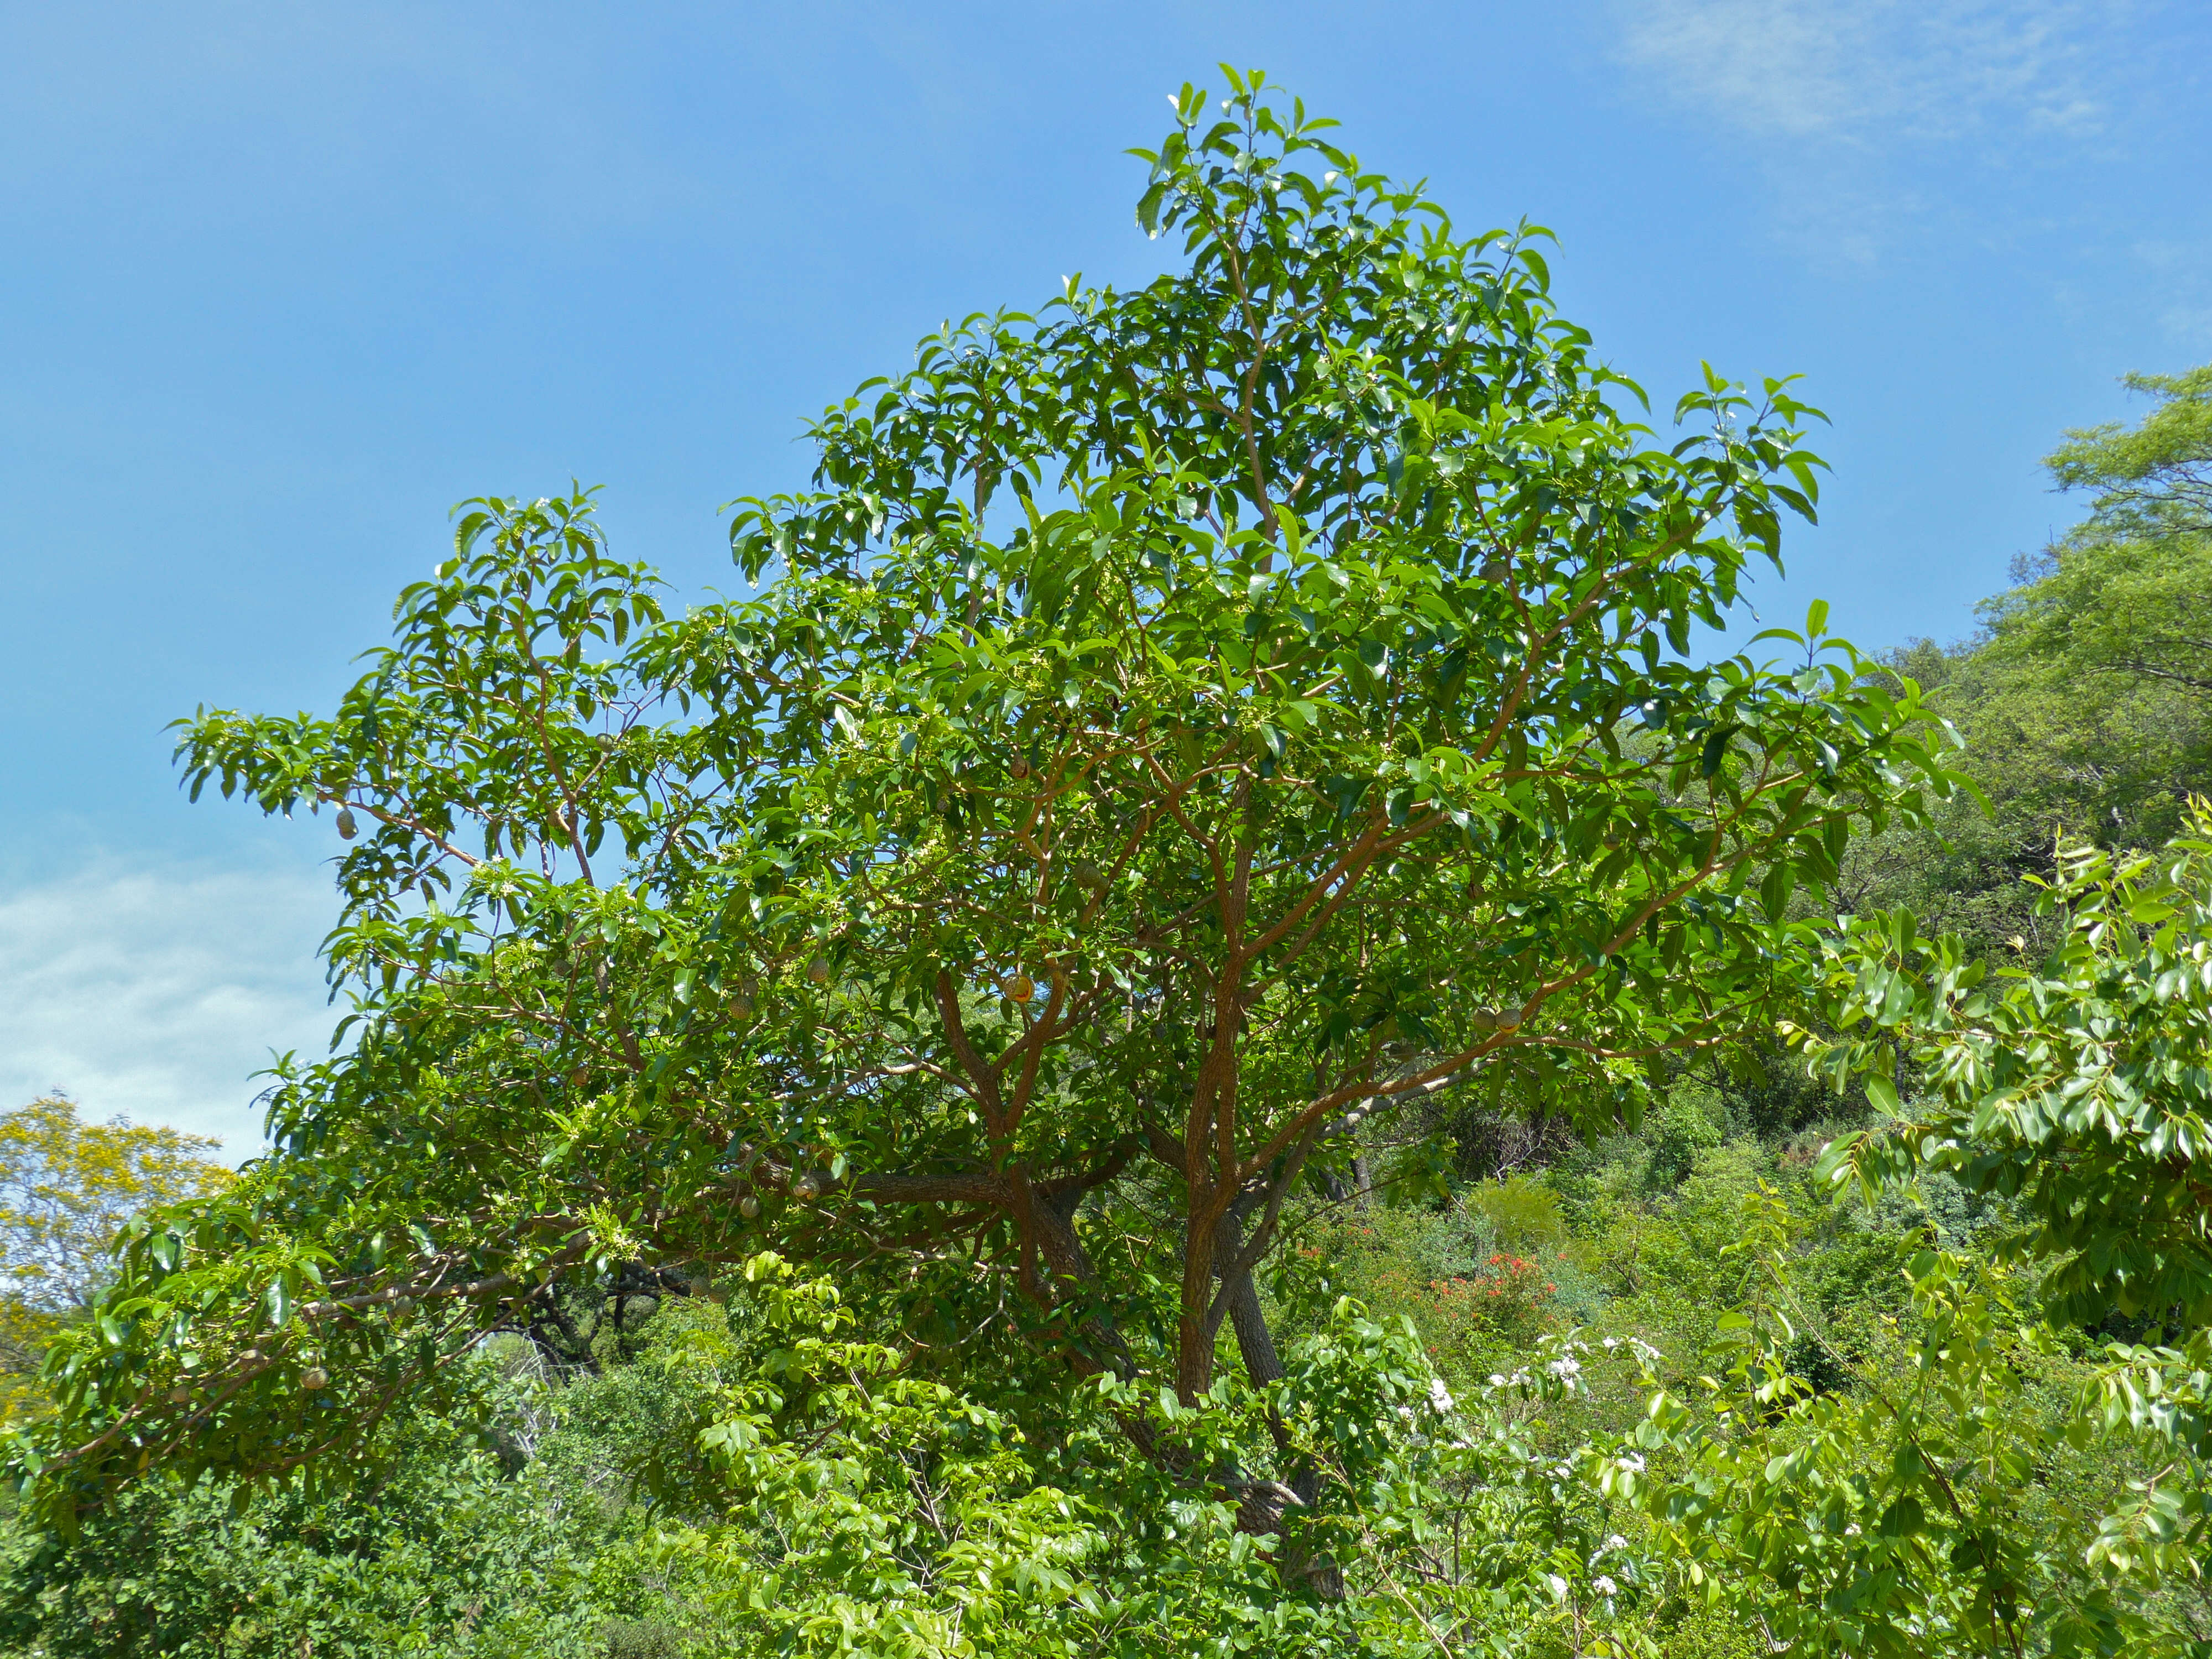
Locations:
(1175, 729)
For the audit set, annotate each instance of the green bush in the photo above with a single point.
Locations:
(1522, 1212)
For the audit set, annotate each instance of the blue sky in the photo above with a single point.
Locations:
(279, 283)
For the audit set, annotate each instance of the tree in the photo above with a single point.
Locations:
(1181, 727)
(2123, 595)
(66, 1189)
(2081, 704)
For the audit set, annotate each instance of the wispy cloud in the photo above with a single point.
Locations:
(1863, 71)
(1879, 122)
(157, 991)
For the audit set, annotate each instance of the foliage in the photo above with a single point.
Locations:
(1911, 1510)
(2082, 702)
(1163, 1046)
(2076, 1087)
(66, 1188)
(1522, 1214)
(1891, 1511)
(763, 1478)
(511, 1528)
(1479, 1308)
(1450, 1525)
(1182, 728)
(2124, 595)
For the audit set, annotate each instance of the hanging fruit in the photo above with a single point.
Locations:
(1088, 874)
(315, 1378)
(1019, 988)
(1509, 1020)
(346, 825)
(749, 1207)
(1020, 768)
(741, 1006)
(181, 1395)
(818, 970)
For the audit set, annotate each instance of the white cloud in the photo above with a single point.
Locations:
(157, 991)
(1878, 122)
(1863, 71)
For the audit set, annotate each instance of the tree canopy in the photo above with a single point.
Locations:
(2120, 599)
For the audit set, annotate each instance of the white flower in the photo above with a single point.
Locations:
(1633, 1463)
(1496, 1380)
(1605, 1586)
(1615, 1541)
(1439, 1396)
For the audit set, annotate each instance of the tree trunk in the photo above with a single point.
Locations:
(1266, 1503)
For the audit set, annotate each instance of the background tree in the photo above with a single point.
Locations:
(2122, 596)
(2082, 702)
(66, 1189)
